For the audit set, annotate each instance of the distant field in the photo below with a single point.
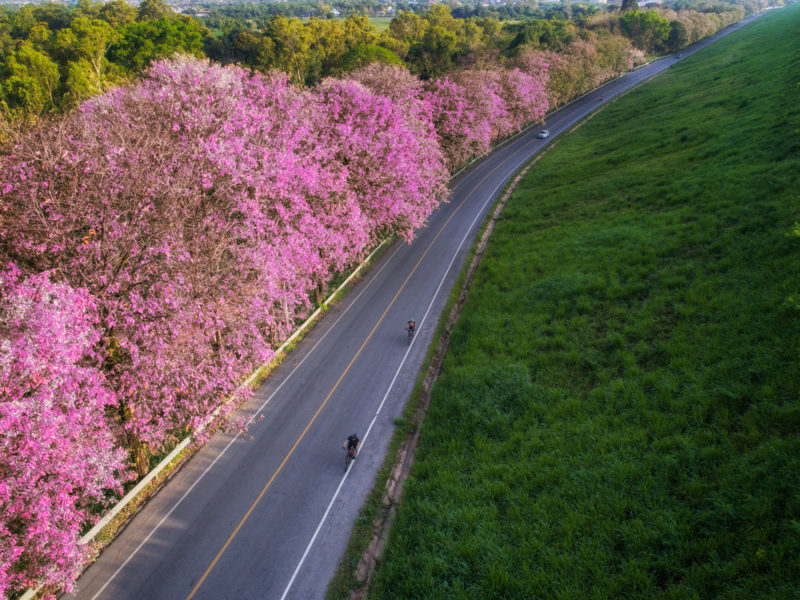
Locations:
(618, 413)
(380, 23)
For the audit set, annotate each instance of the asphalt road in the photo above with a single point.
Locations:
(269, 518)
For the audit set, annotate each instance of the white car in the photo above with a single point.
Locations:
(544, 133)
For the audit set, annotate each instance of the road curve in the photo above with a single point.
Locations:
(269, 517)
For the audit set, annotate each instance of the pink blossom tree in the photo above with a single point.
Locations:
(467, 109)
(525, 95)
(439, 104)
(472, 108)
(559, 87)
(118, 199)
(462, 133)
(200, 207)
(57, 451)
(582, 66)
(484, 95)
(391, 158)
(392, 81)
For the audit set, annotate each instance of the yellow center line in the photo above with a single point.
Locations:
(338, 381)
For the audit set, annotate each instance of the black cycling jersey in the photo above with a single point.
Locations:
(352, 442)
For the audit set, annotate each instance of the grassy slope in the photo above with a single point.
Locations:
(618, 413)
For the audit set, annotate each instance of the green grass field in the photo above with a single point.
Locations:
(618, 412)
(380, 23)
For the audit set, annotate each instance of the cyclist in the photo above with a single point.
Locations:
(351, 444)
(411, 327)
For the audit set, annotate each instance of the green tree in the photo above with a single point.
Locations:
(356, 30)
(291, 43)
(613, 52)
(143, 42)
(545, 35)
(78, 84)
(325, 50)
(470, 40)
(408, 26)
(493, 31)
(440, 15)
(678, 36)
(84, 45)
(118, 13)
(55, 16)
(6, 41)
(434, 54)
(152, 10)
(29, 82)
(88, 9)
(40, 37)
(331, 39)
(365, 54)
(22, 21)
(253, 49)
(629, 5)
(646, 29)
(21, 98)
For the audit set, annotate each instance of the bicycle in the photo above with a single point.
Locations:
(411, 328)
(349, 456)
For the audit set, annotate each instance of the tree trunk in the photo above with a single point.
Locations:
(139, 455)
(319, 293)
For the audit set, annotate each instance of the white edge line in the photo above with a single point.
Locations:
(89, 536)
(480, 214)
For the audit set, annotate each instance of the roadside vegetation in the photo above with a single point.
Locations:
(617, 415)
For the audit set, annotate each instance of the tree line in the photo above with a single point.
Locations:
(440, 39)
(53, 56)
